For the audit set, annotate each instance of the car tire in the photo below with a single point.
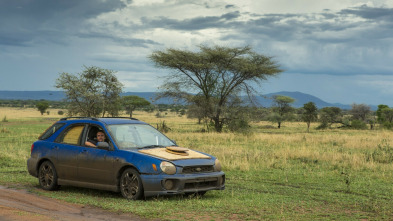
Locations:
(47, 176)
(131, 186)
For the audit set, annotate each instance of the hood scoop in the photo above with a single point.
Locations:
(177, 150)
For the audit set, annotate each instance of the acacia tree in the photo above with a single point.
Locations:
(310, 114)
(281, 109)
(215, 74)
(92, 92)
(133, 102)
(329, 116)
(42, 106)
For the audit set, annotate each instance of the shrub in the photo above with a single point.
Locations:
(60, 112)
(383, 153)
(359, 125)
(239, 125)
(4, 130)
(163, 127)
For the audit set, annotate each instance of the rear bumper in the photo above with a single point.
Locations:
(155, 185)
(32, 167)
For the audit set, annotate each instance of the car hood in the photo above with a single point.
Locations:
(166, 154)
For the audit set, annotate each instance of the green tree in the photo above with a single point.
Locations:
(42, 106)
(329, 116)
(133, 102)
(282, 110)
(309, 114)
(215, 74)
(379, 112)
(90, 93)
(387, 114)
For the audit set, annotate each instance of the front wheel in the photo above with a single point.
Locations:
(47, 176)
(131, 184)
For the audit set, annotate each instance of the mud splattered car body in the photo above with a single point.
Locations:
(135, 159)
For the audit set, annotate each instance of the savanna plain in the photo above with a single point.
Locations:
(271, 173)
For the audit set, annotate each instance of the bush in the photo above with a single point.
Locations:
(60, 112)
(163, 127)
(322, 126)
(239, 125)
(387, 125)
(383, 153)
(359, 125)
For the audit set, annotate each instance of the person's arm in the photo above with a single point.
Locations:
(90, 143)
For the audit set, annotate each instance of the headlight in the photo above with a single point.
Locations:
(217, 165)
(168, 168)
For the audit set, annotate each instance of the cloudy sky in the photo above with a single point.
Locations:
(338, 50)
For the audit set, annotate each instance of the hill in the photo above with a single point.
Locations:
(265, 100)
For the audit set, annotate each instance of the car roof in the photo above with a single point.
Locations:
(105, 120)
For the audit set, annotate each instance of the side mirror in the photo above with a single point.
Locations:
(103, 145)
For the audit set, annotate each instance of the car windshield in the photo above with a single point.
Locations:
(131, 136)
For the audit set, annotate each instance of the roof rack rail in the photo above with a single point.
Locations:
(67, 118)
(131, 118)
(96, 118)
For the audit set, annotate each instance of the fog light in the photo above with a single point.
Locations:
(169, 184)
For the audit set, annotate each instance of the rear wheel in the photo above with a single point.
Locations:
(47, 176)
(131, 184)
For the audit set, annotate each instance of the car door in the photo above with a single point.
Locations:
(68, 147)
(95, 165)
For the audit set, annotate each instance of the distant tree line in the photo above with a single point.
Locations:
(217, 86)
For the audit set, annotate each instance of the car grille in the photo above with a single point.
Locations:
(198, 169)
(200, 184)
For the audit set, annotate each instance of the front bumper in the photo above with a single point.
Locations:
(155, 185)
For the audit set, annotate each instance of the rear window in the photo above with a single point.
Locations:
(73, 135)
(50, 131)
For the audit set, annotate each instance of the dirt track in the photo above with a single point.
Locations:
(21, 205)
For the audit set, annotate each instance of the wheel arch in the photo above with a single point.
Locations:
(41, 161)
(121, 170)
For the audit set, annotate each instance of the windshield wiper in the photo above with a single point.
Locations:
(150, 146)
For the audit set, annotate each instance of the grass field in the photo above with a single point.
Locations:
(284, 174)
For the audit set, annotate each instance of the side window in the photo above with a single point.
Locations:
(72, 135)
(50, 131)
(92, 133)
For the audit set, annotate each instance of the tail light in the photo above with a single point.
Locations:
(32, 147)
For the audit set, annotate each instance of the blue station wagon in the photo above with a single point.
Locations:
(134, 159)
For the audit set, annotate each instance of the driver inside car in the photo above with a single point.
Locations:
(100, 138)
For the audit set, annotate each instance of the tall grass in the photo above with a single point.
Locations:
(271, 173)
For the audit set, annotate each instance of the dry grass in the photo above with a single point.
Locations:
(14, 113)
(272, 173)
(266, 147)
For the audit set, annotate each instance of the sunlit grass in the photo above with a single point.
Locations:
(272, 173)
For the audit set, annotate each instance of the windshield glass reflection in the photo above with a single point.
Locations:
(131, 136)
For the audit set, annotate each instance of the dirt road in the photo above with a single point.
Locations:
(16, 204)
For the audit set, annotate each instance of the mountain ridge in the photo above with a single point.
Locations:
(265, 100)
